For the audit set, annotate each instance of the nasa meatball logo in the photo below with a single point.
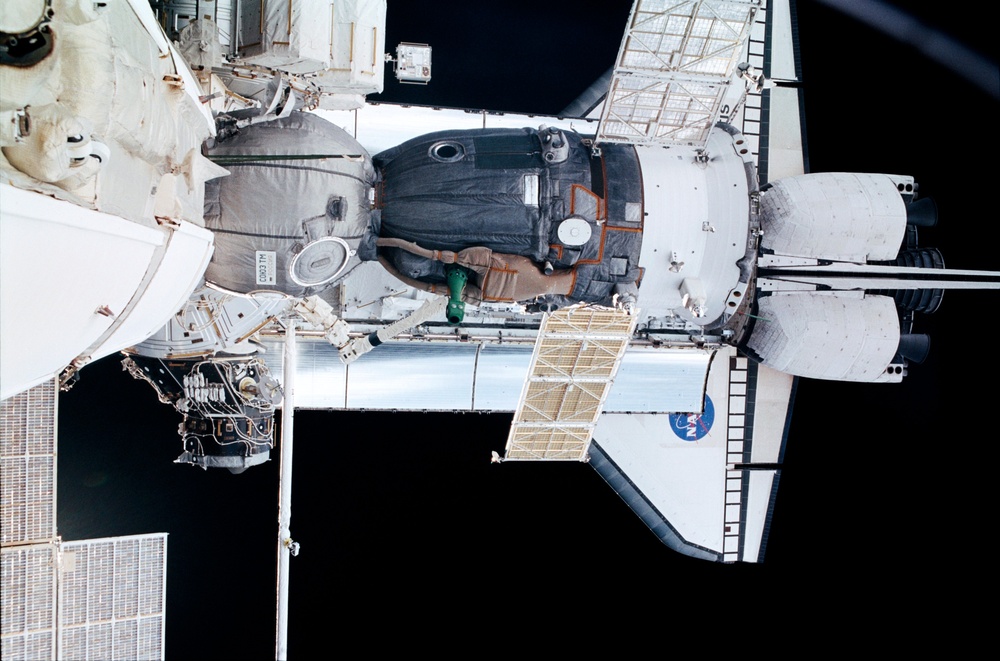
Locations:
(693, 426)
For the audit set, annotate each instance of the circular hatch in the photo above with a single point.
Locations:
(320, 261)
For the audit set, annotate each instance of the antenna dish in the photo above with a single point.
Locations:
(574, 231)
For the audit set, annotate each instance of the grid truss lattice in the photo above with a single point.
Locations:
(112, 598)
(577, 354)
(28, 466)
(27, 628)
(675, 71)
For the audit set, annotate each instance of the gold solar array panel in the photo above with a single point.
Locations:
(577, 354)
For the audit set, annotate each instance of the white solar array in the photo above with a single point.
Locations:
(89, 599)
(27, 627)
(28, 465)
(674, 75)
(112, 598)
(28, 523)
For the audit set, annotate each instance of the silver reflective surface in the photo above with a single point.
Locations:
(451, 377)
(321, 379)
(659, 380)
(500, 374)
(413, 376)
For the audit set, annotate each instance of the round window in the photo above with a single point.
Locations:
(447, 151)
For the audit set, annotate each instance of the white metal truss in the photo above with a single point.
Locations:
(674, 75)
(577, 354)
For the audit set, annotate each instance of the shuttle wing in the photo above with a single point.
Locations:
(704, 482)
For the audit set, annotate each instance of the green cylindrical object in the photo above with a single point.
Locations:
(456, 285)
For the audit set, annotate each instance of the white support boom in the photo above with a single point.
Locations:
(286, 547)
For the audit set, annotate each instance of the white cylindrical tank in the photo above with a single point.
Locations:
(843, 336)
(834, 215)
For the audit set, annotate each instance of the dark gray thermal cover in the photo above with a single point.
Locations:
(543, 194)
(490, 188)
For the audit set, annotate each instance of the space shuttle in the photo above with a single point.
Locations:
(640, 281)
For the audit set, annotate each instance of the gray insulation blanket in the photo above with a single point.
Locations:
(294, 209)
